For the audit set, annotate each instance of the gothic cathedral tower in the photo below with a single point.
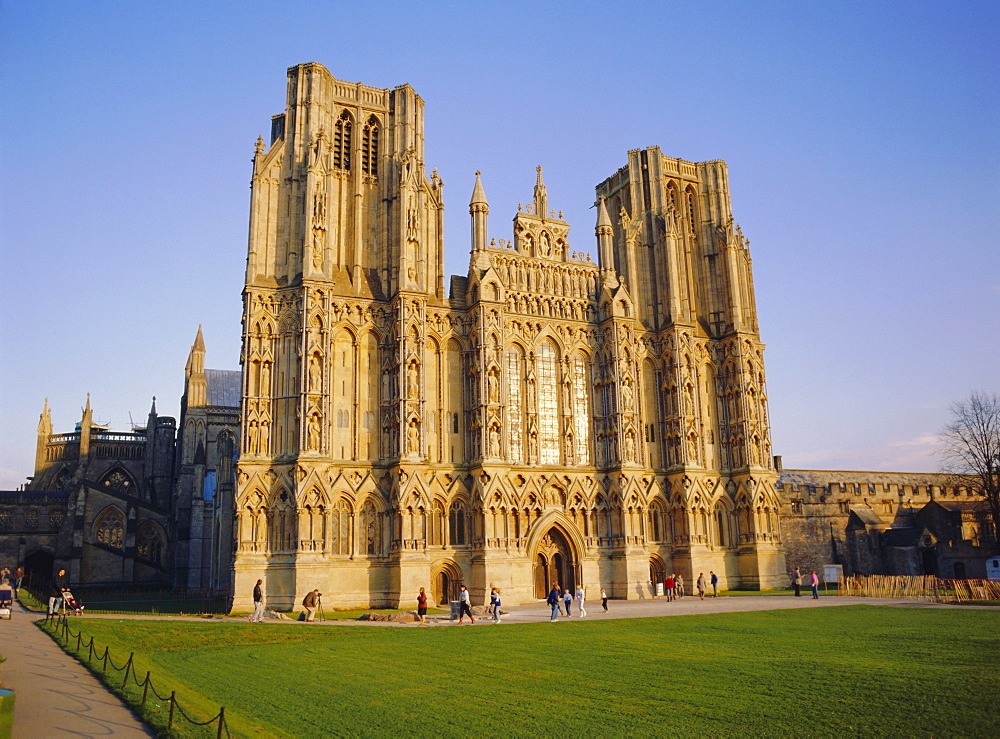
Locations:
(549, 420)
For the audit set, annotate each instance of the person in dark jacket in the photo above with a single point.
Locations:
(59, 586)
(554, 600)
(258, 603)
(311, 603)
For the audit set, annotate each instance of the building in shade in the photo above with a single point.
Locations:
(148, 507)
(547, 419)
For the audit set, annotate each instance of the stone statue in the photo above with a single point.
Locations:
(494, 442)
(314, 374)
(413, 438)
(413, 381)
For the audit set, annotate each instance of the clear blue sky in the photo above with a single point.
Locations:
(861, 138)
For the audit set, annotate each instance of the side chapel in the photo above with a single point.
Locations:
(546, 419)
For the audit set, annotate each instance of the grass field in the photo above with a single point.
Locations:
(857, 670)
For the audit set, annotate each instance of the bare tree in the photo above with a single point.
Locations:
(971, 448)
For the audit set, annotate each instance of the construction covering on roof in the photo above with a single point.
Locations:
(224, 388)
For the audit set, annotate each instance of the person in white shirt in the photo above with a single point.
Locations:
(579, 600)
(465, 607)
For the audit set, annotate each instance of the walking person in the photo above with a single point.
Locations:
(311, 603)
(679, 585)
(18, 577)
(59, 586)
(567, 601)
(797, 582)
(715, 584)
(604, 600)
(258, 603)
(465, 606)
(495, 602)
(422, 607)
(814, 583)
(580, 597)
(553, 600)
(700, 585)
(669, 587)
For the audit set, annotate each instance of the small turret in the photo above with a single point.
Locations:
(44, 431)
(479, 209)
(605, 247)
(541, 196)
(195, 382)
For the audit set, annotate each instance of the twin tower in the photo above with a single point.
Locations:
(544, 420)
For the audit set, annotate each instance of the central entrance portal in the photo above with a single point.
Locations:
(555, 564)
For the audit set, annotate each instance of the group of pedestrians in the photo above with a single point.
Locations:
(13, 579)
(813, 583)
(566, 598)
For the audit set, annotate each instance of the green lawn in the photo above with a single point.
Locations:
(846, 670)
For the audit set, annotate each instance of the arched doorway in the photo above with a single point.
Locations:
(38, 571)
(657, 570)
(446, 581)
(555, 563)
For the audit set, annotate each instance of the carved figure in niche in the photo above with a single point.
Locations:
(412, 381)
(629, 447)
(494, 442)
(265, 379)
(314, 374)
(265, 433)
(313, 434)
(568, 448)
(413, 438)
(252, 438)
(627, 397)
(543, 245)
(692, 447)
(493, 386)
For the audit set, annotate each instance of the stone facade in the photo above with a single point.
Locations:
(884, 523)
(549, 419)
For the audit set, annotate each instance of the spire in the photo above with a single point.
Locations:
(541, 196)
(195, 383)
(478, 196)
(152, 410)
(45, 419)
(603, 219)
(605, 233)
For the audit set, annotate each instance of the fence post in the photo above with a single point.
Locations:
(145, 688)
(222, 722)
(128, 666)
(170, 719)
(105, 660)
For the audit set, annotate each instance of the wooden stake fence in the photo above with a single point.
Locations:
(918, 587)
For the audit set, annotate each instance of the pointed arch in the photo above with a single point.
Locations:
(119, 480)
(109, 528)
(370, 146)
(150, 542)
(547, 384)
(342, 133)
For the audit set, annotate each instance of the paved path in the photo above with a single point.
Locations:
(56, 695)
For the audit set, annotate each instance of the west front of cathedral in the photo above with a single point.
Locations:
(544, 420)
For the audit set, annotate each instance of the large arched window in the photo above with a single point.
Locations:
(456, 525)
(548, 405)
(109, 528)
(581, 409)
(369, 147)
(342, 141)
(515, 419)
(150, 541)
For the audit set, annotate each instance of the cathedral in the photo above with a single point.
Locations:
(544, 420)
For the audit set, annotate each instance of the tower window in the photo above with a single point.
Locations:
(342, 141)
(369, 147)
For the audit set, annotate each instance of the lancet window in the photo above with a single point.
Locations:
(581, 410)
(548, 406)
(369, 147)
(342, 141)
(515, 429)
